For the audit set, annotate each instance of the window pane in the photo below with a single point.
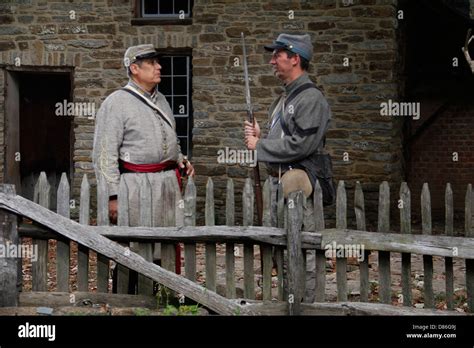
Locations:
(165, 85)
(181, 5)
(181, 126)
(180, 86)
(165, 63)
(166, 6)
(180, 106)
(179, 66)
(151, 6)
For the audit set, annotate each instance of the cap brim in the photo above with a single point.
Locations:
(274, 47)
(147, 56)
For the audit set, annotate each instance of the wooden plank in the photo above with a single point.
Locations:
(62, 248)
(404, 205)
(427, 259)
(320, 292)
(296, 272)
(211, 268)
(102, 220)
(469, 206)
(123, 219)
(83, 253)
(448, 261)
(248, 212)
(190, 220)
(341, 223)
(39, 269)
(87, 236)
(236, 234)
(384, 257)
(10, 267)
(145, 284)
(168, 250)
(359, 209)
(266, 250)
(279, 251)
(229, 247)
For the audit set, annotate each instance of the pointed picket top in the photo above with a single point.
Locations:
(384, 207)
(190, 203)
(318, 207)
(281, 216)
(404, 205)
(426, 209)
(449, 210)
(267, 204)
(341, 206)
(123, 218)
(43, 190)
(247, 203)
(468, 212)
(84, 204)
(210, 217)
(359, 207)
(230, 203)
(145, 202)
(62, 203)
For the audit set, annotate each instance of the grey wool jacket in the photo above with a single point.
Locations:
(128, 129)
(308, 117)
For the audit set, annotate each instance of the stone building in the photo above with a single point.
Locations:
(366, 53)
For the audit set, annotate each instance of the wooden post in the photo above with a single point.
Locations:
(405, 227)
(168, 250)
(248, 212)
(123, 219)
(359, 208)
(341, 223)
(427, 259)
(62, 247)
(320, 293)
(102, 220)
(39, 269)
(190, 220)
(229, 247)
(384, 256)
(211, 270)
(279, 251)
(469, 262)
(145, 284)
(295, 254)
(83, 252)
(448, 261)
(10, 267)
(265, 248)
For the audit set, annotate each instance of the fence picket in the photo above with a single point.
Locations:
(102, 220)
(279, 251)
(405, 227)
(384, 256)
(448, 261)
(39, 269)
(168, 250)
(320, 292)
(62, 247)
(210, 247)
(359, 209)
(123, 219)
(427, 259)
(190, 220)
(341, 223)
(83, 252)
(145, 284)
(267, 249)
(469, 262)
(229, 247)
(248, 211)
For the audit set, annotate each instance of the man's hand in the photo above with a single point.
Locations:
(113, 210)
(252, 134)
(189, 167)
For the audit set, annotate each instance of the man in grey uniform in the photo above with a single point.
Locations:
(135, 137)
(298, 121)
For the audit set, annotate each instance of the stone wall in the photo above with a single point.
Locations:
(43, 34)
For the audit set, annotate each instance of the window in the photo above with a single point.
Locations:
(175, 86)
(163, 12)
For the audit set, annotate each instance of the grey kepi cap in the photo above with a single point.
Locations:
(300, 44)
(134, 53)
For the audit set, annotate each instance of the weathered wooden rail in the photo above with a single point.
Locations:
(281, 238)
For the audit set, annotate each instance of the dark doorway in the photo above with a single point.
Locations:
(44, 137)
